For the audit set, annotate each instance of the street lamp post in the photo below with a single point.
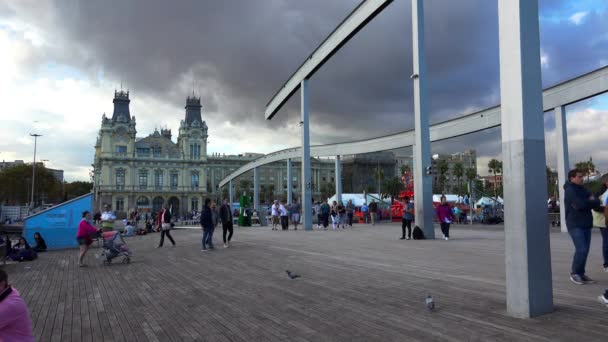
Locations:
(34, 168)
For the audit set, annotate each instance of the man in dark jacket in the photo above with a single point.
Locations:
(207, 225)
(226, 218)
(578, 203)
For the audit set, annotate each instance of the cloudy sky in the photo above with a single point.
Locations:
(61, 60)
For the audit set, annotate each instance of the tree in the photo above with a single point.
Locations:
(586, 167)
(442, 169)
(458, 171)
(495, 167)
(16, 185)
(76, 189)
(327, 190)
(392, 187)
(379, 176)
(245, 186)
(269, 193)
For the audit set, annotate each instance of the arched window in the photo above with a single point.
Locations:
(143, 202)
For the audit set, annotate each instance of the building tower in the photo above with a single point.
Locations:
(192, 138)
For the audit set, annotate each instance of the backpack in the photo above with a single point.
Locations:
(418, 234)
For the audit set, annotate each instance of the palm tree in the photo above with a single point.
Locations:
(393, 186)
(586, 167)
(458, 171)
(379, 175)
(495, 167)
(442, 169)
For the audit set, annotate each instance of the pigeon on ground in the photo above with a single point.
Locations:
(430, 303)
(292, 275)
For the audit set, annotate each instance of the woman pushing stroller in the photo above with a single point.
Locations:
(84, 236)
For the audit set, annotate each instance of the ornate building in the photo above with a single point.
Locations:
(147, 173)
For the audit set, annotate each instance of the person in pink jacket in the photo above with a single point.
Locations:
(84, 236)
(445, 217)
(15, 322)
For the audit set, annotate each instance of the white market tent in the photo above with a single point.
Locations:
(488, 201)
(358, 199)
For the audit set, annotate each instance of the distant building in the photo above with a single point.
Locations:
(468, 159)
(146, 173)
(359, 171)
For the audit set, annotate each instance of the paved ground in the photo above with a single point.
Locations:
(357, 285)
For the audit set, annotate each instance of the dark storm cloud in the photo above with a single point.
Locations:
(241, 52)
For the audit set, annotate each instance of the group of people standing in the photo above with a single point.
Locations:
(340, 214)
(281, 213)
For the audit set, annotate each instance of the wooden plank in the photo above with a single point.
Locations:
(357, 285)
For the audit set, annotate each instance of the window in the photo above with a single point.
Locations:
(121, 149)
(143, 152)
(173, 180)
(143, 202)
(156, 150)
(194, 180)
(158, 180)
(194, 204)
(143, 179)
(324, 179)
(195, 151)
(120, 179)
(120, 204)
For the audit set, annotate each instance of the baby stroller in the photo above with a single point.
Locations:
(113, 246)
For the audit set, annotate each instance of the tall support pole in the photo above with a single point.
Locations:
(338, 179)
(34, 168)
(230, 194)
(527, 245)
(289, 182)
(423, 191)
(306, 196)
(256, 190)
(563, 161)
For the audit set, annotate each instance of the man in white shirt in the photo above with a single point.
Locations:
(274, 212)
(284, 216)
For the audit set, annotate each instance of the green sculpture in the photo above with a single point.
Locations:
(244, 212)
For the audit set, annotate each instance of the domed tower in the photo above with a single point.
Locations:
(117, 135)
(192, 138)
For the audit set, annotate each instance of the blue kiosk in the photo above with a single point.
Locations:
(58, 225)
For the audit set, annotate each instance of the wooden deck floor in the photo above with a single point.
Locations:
(357, 285)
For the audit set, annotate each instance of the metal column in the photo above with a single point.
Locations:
(338, 178)
(256, 190)
(423, 190)
(563, 160)
(230, 195)
(289, 182)
(527, 244)
(306, 198)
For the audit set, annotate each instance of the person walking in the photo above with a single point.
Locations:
(445, 217)
(334, 214)
(341, 215)
(296, 210)
(350, 211)
(284, 216)
(226, 218)
(84, 236)
(317, 210)
(373, 211)
(578, 203)
(274, 212)
(15, 321)
(325, 214)
(165, 228)
(364, 211)
(600, 216)
(407, 218)
(207, 226)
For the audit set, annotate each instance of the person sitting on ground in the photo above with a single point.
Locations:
(22, 251)
(129, 229)
(40, 243)
(15, 321)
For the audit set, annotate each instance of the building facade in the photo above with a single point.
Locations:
(468, 160)
(147, 173)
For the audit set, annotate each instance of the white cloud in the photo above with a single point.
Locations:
(577, 18)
